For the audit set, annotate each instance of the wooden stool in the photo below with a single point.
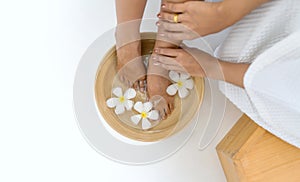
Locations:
(250, 153)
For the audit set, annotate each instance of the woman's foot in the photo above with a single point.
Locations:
(130, 66)
(157, 83)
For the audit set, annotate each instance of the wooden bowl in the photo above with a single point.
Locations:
(184, 112)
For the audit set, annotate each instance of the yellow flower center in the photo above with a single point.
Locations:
(180, 83)
(144, 115)
(122, 99)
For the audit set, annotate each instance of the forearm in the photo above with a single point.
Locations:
(230, 72)
(237, 9)
(233, 72)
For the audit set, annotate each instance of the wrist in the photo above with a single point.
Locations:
(210, 65)
(234, 72)
(213, 69)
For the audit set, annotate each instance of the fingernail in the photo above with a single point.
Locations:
(156, 50)
(154, 57)
(158, 15)
(156, 63)
(157, 23)
(163, 5)
(161, 34)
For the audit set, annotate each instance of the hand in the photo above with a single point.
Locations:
(198, 63)
(186, 60)
(198, 18)
(195, 19)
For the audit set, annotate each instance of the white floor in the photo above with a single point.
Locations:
(41, 45)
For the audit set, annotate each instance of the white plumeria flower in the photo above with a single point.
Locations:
(121, 101)
(145, 114)
(183, 83)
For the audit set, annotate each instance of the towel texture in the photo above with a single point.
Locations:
(268, 38)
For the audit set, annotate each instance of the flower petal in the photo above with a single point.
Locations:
(153, 115)
(189, 84)
(139, 107)
(174, 76)
(120, 109)
(147, 106)
(117, 91)
(112, 102)
(130, 93)
(172, 89)
(184, 76)
(128, 104)
(136, 119)
(183, 92)
(146, 124)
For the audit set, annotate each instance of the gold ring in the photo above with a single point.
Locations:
(175, 18)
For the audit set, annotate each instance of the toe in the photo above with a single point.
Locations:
(142, 85)
(171, 106)
(129, 84)
(167, 110)
(136, 85)
(162, 114)
(122, 79)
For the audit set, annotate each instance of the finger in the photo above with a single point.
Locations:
(173, 68)
(164, 60)
(171, 106)
(168, 26)
(166, 52)
(167, 110)
(174, 7)
(170, 17)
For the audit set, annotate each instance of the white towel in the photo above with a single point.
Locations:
(269, 38)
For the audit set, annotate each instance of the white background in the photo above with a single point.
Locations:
(41, 43)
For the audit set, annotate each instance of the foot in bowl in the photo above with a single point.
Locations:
(130, 66)
(157, 83)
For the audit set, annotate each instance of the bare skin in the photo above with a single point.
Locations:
(197, 18)
(192, 23)
(157, 77)
(200, 64)
(131, 69)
